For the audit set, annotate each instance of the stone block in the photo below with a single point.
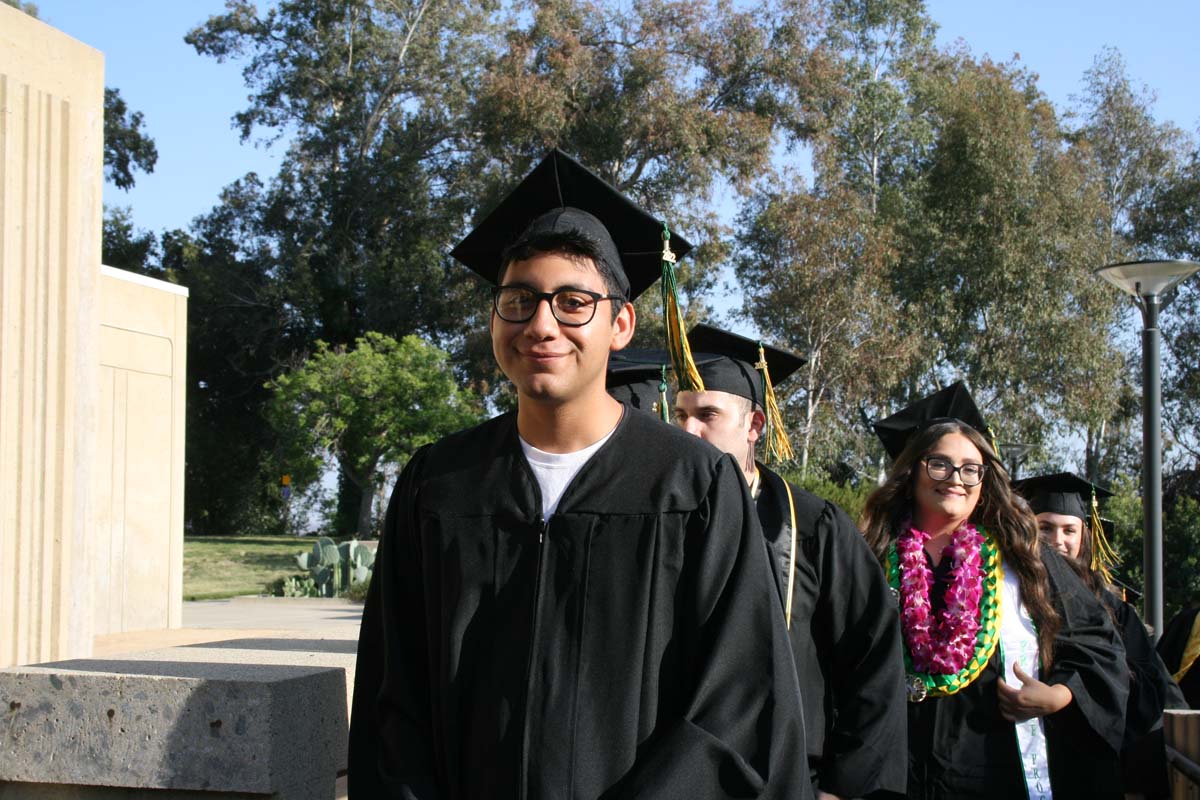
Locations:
(214, 727)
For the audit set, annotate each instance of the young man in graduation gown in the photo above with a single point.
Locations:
(570, 599)
(843, 622)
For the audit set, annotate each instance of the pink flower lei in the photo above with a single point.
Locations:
(940, 646)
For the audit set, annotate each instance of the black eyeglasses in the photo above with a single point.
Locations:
(571, 307)
(940, 469)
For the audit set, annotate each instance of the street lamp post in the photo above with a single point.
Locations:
(1148, 282)
(1013, 454)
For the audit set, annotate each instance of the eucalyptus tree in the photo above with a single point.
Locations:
(1001, 236)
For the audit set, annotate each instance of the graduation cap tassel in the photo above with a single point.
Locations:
(677, 343)
(779, 447)
(1103, 556)
(663, 411)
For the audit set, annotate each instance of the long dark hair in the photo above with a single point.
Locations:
(1000, 511)
(1092, 578)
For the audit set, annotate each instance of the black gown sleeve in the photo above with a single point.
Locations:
(1089, 659)
(1151, 687)
(391, 728)
(864, 749)
(741, 733)
(362, 775)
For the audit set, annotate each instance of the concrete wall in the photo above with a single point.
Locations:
(137, 545)
(51, 176)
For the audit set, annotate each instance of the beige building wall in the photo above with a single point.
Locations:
(51, 177)
(137, 549)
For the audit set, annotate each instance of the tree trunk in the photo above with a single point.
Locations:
(364, 514)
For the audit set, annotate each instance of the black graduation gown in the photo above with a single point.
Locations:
(1151, 689)
(1171, 646)
(633, 646)
(961, 747)
(846, 642)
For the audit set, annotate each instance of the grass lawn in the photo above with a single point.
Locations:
(227, 566)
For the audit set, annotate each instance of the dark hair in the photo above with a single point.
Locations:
(1000, 511)
(575, 246)
(1092, 578)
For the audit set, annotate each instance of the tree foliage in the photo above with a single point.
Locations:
(948, 229)
(365, 407)
(1000, 243)
(127, 147)
(1181, 543)
(817, 271)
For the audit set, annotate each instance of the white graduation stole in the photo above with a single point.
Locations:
(1019, 644)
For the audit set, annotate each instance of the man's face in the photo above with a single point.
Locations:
(550, 362)
(722, 419)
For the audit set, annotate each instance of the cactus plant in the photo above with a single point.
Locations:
(334, 568)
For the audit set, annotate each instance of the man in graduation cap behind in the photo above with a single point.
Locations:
(843, 622)
(571, 599)
(638, 379)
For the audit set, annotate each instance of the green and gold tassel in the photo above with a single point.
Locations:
(677, 343)
(663, 410)
(779, 447)
(1103, 556)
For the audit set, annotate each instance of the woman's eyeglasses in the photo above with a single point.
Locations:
(940, 469)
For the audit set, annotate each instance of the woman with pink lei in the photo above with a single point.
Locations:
(1016, 676)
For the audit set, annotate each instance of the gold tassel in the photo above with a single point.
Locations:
(1103, 556)
(677, 343)
(779, 447)
(992, 441)
(663, 410)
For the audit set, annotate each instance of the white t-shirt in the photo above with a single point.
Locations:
(554, 471)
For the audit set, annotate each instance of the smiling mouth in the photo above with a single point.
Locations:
(543, 358)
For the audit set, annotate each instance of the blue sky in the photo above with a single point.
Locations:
(188, 100)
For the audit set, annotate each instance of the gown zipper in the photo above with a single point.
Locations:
(542, 526)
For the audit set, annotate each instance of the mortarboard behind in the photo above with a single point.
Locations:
(638, 379)
(730, 363)
(1070, 495)
(952, 403)
(747, 368)
(561, 195)
(1061, 493)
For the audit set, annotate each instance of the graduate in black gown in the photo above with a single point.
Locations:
(841, 616)
(1069, 522)
(1017, 677)
(640, 379)
(571, 601)
(1179, 647)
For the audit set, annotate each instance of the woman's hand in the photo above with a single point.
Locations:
(1033, 699)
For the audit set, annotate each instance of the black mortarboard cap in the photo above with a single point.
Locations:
(727, 363)
(746, 368)
(560, 194)
(637, 378)
(952, 403)
(1060, 493)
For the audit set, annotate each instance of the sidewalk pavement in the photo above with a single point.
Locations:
(253, 618)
